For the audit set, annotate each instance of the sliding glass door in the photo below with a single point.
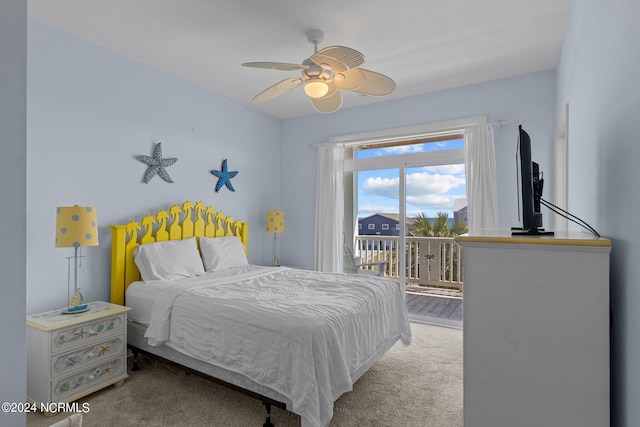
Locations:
(403, 205)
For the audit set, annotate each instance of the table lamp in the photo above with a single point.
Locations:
(76, 226)
(275, 225)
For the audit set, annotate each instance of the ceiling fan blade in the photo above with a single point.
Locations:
(332, 88)
(277, 89)
(366, 82)
(283, 66)
(338, 58)
(328, 103)
(350, 80)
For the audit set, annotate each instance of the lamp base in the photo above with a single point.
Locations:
(76, 309)
(76, 305)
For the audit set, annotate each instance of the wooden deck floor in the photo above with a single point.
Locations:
(434, 306)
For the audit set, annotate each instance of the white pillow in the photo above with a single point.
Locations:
(221, 253)
(169, 260)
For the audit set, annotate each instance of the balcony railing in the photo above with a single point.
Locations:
(429, 261)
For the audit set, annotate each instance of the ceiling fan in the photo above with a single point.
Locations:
(324, 74)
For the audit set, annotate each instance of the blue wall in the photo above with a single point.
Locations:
(598, 77)
(530, 98)
(90, 112)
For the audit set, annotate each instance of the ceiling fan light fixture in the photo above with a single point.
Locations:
(325, 74)
(316, 89)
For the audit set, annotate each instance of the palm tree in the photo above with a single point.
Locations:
(459, 228)
(422, 226)
(438, 227)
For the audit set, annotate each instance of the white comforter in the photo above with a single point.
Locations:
(305, 334)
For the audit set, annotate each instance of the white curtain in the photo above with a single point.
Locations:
(482, 190)
(329, 208)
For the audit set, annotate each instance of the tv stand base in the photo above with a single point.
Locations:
(518, 231)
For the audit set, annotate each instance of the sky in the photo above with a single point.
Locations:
(429, 189)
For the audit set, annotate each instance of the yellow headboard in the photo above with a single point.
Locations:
(181, 222)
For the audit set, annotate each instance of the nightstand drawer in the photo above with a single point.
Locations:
(77, 359)
(87, 380)
(82, 335)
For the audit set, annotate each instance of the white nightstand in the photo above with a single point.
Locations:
(72, 355)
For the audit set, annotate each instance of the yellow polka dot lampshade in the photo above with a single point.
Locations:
(76, 226)
(275, 222)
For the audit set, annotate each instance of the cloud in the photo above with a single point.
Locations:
(378, 186)
(401, 149)
(419, 183)
(432, 204)
(410, 148)
(426, 189)
(446, 169)
(432, 183)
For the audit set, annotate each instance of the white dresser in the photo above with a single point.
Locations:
(72, 355)
(536, 330)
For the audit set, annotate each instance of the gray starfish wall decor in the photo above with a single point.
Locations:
(156, 164)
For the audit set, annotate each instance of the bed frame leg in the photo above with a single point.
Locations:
(136, 366)
(268, 422)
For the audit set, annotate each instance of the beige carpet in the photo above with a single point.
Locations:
(420, 386)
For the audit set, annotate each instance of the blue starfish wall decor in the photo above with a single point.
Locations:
(157, 165)
(224, 177)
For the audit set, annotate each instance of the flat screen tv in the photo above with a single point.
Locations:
(530, 189)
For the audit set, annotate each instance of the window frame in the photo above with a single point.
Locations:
(403, 161)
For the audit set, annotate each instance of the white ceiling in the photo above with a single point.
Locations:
(424, 45)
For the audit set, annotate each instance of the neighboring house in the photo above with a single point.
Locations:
(460, 211)
(381, 224)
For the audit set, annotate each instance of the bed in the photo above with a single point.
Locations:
(294, 338)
